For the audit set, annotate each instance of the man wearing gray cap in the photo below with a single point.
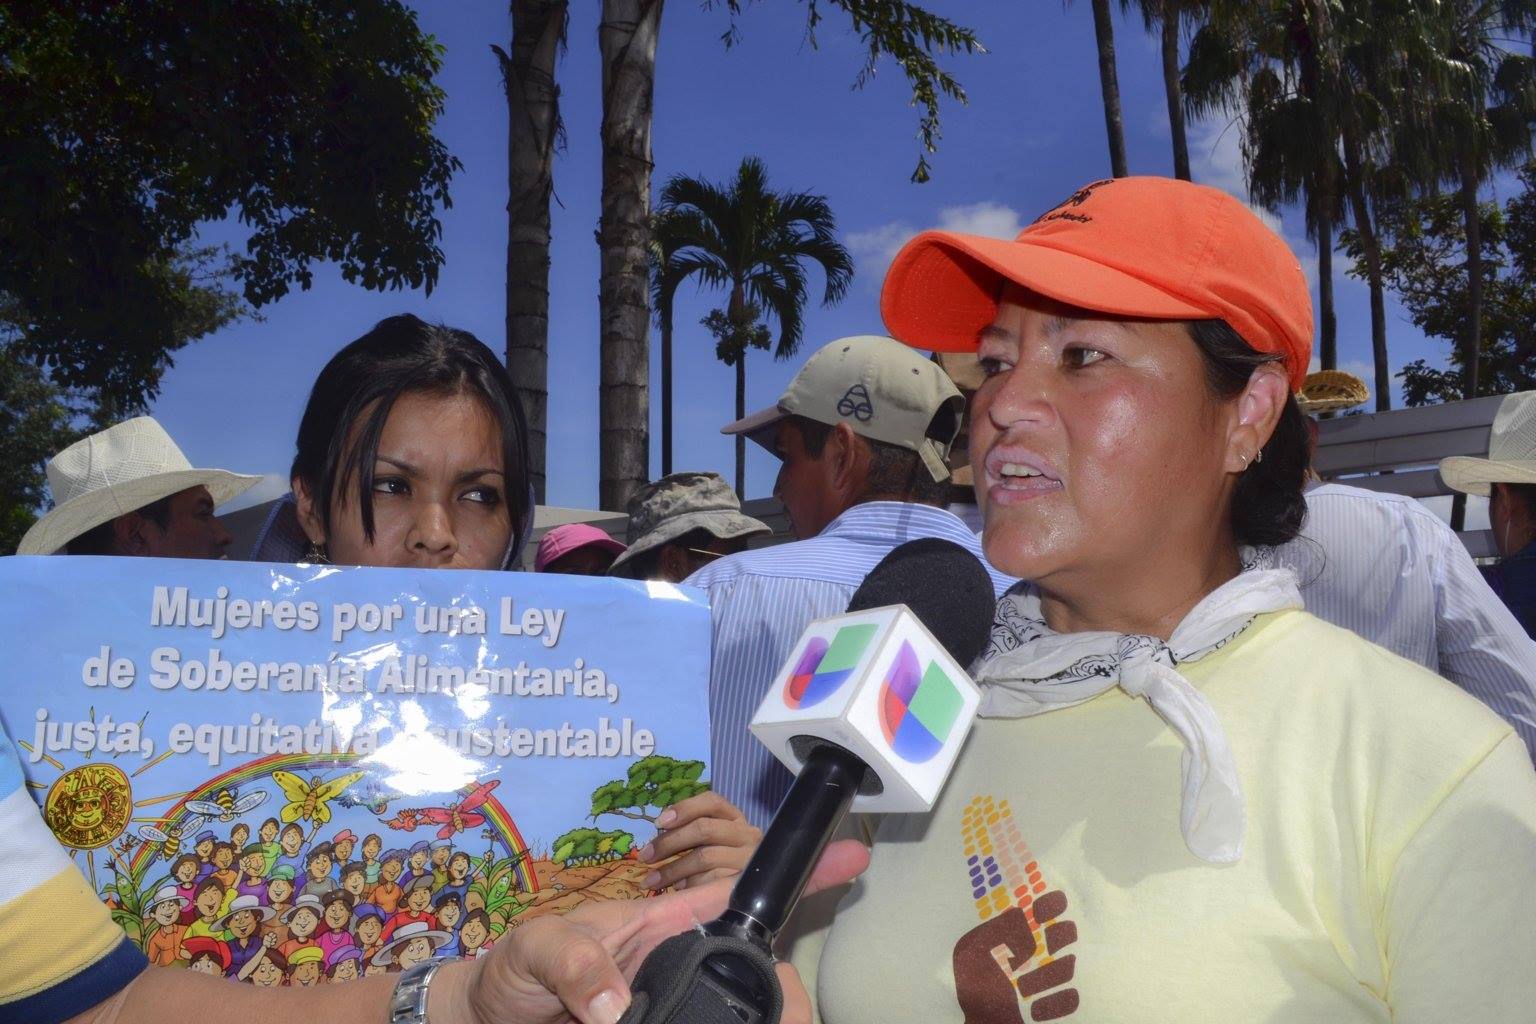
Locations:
(682, 522)
(863, 432)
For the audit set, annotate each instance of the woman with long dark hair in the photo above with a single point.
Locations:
(412, 452)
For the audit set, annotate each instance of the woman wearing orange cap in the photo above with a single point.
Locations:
(1187, 799)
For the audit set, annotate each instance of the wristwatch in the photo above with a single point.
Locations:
(409, 1003)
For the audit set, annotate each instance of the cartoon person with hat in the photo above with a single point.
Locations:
(416, 866)
(368, 929)
(418, 901)
(387, 894)
(303, 920)
(164, 945)
(338, 919)
(280, 890)
(206, 954)
(242, 925)
(342, 844)
(412, 944)
(345, 964)
(305, 966)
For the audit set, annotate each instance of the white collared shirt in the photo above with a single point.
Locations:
(1387, 568)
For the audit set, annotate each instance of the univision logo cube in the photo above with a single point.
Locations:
(918, 706)
(876, 683)
(825, 665)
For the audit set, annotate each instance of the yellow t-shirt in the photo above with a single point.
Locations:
(1389, 872)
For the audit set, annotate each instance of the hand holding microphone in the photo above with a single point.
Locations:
(871, 711)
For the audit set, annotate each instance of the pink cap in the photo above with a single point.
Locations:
(562, 540)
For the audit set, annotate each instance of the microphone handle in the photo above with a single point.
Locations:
(771, 884)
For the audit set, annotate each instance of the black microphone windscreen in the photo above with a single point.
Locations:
(944, 585)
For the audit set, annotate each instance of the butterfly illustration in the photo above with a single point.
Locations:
(459, 816)
(311, 801)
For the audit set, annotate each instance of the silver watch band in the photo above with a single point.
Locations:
(408, 1005)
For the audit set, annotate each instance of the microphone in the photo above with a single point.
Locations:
(870, 711)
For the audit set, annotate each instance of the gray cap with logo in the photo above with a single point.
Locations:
(882, 389)
(666, 509)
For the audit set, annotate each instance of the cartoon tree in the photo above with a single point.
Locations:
(583, 847)
(654, 781)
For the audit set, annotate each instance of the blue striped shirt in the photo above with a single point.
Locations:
(60, 951)
(762, 600)
(1387, 568)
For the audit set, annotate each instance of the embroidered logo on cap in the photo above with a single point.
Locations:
(1064, 210)
(856, 403)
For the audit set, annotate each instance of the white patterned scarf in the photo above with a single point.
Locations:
(1027, 669)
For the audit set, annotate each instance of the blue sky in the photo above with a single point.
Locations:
(1031, 133)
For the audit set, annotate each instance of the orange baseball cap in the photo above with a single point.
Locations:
(1152, 248)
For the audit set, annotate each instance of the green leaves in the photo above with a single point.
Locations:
(905, 32)
(589, 846)
(128, 125)
(654, 781)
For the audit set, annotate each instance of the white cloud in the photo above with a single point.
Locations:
(874, 249)
(270, 486)
(991, 219)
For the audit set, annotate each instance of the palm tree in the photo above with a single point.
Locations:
(1167, 18)
(1109, 85)
(1482, 100)
(746, 238)
(665, 244)
(1269, 64)
(627, 36)
(535, 131)
(627, 41)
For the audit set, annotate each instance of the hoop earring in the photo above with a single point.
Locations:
(315, 554)
(1259, 457)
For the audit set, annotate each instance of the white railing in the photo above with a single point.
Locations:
(1400, 451)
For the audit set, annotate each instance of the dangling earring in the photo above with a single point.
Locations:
(1259, 457)
(315, 554)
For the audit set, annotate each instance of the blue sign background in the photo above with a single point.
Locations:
(648, 645)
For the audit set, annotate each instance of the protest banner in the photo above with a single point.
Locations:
(281, 773)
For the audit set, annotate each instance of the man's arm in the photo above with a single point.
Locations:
(1482, 647)
(60, 950)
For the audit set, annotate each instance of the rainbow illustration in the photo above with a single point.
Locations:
(497, 817)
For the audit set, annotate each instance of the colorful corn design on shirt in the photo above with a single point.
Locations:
(60, 951)
(1389, 814)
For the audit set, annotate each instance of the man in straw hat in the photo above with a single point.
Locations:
(1508, 478)
(681, 522)
(1386, 567)
(862, 432)
(128, 490)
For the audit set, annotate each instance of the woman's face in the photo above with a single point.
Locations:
(1096, 442)
(268, 831)
(303, 924)
(439, 491)
(267, 975)
(337, 915)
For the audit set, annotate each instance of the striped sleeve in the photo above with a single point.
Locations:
(60, 951)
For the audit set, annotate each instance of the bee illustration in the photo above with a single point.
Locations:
(311, 801)
(170, 838)
(227, 804)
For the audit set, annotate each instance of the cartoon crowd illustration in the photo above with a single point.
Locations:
(294, 903)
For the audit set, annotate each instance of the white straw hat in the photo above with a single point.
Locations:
(117, 471)
(1511, 450)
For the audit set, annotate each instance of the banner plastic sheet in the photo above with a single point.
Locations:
(298, 774)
